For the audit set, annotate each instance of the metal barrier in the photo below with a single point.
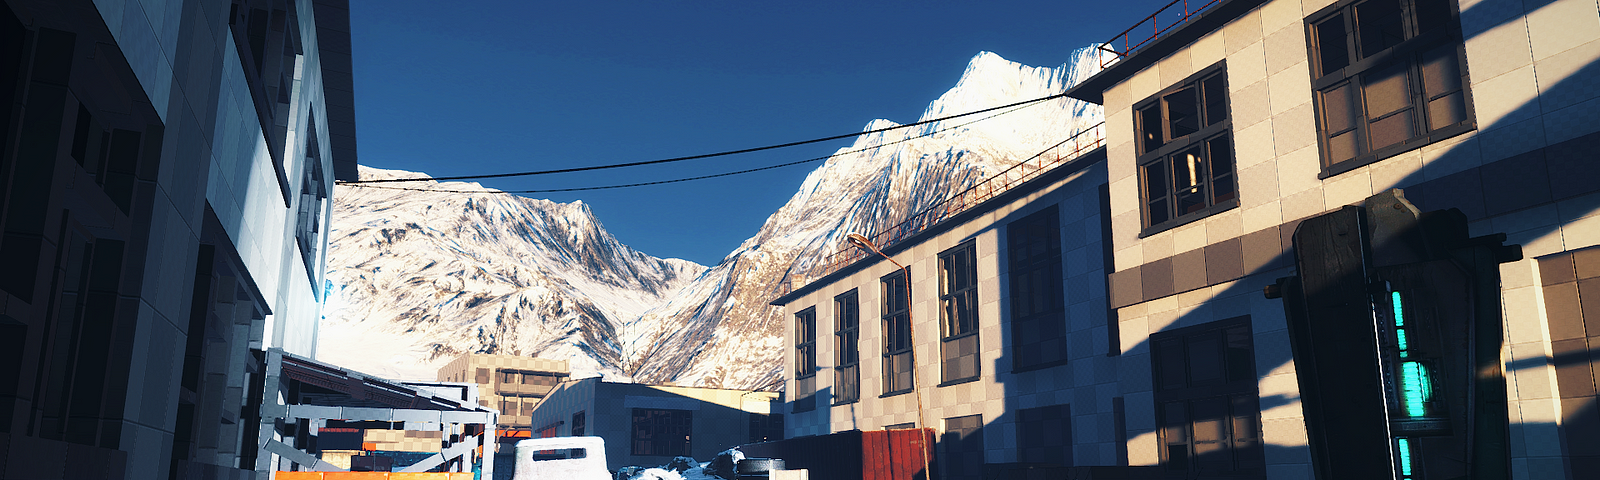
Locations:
(1158, 26)
(1055, 156)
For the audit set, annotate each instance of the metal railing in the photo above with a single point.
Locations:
(1055, 156)
(1158, 25)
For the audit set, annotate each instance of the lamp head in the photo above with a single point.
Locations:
(860, 240)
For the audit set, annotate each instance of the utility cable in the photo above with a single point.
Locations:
(703, 177)
(696, 157)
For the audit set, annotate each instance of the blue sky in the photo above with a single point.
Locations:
(488, 86)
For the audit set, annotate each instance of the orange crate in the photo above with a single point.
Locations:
(299, 475)
(420, 476)
(461, 476)
(355, 475)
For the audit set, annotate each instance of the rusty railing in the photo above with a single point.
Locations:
(1055, 156)
(1158, 25)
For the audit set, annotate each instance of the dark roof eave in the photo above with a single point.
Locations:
(1093, 89)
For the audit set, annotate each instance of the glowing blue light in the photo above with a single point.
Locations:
(1399, 313)
(1415, 388)
(1405, 456)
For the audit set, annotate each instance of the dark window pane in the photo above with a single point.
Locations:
(1189, 176)
(1205, 359)
(1338, 111)
(1212, 446)
(1380, 25)
(1446, 111)
(1342, 147)
(1169, 365)
(1387, 90)
(1433, 15)
(1183, 112)
(1391, 130)
(1155, 191)
(1150, 128)
(1222, 185)
(1333, 53)
(1240, 358)
(1216, 98)
(1441, 70)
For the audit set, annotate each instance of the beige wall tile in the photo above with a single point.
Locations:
(1125, 229)
(1225, 225)
(1542, 217)
(1118, 98)
(1304, 204)
(1133, 333)
(1285, 46)
(1266, 215)
(1158, 246)
(1508, 98)
(1498, 50)
(1146, 83)
(1120, 161)
(1295, 130)
(1580, 233)
(1297, 171)
(1128, 257)
(1253, 145)
(1247, 65)
(1241, 32)
(1207, 51)
(1350, 188)
(1284, 431)
(1450, 156)
(1564, 72)
(1561, 25)
(1119, 130)
(1278, 14)
(1399, 171)
(1314, 6)
(1189, 237)
(1536, 243)
(1125, 195)
(1175, 68)
(1290, 87)
(1250, 104)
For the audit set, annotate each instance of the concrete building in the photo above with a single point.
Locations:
(648, 425)
(165, 170)
(1237, 124)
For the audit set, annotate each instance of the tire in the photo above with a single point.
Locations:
(760, 465)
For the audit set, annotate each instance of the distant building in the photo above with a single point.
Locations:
(165, 176)
(648, 425)
(509, 383)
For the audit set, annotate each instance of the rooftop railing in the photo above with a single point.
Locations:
(1155, 25)
(1055, 156)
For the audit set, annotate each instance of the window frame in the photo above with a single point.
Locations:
(1047, 266)
(1207, 131)
(805, 359)
(902, 318)
(1409, 51)
(847, 339)
(1238, 392)
(668, 426)
(956, 332)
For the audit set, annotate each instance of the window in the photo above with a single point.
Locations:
(1185, 151)
(896, 334)
(1038, 314)
(963, 448)
(958, 299)
(846, 348)
(579, 424)
(662, 432)
(765, 428)
(1206, 399)
(805, 359)
(1044, 435)
(1387, 79)
(508, 377)
(312, 201)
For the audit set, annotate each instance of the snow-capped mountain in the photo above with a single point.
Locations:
(422, 277)
(737, 337)
(427, 276)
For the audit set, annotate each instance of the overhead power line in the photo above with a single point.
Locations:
(696, 157)
(724, 174)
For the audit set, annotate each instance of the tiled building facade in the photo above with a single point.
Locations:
(509, 383)
(1224, 135)
(165, 173)
(648, 425)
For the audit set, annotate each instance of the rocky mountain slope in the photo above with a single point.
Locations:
(429, 275)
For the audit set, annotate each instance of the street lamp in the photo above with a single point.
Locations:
(862, 241)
